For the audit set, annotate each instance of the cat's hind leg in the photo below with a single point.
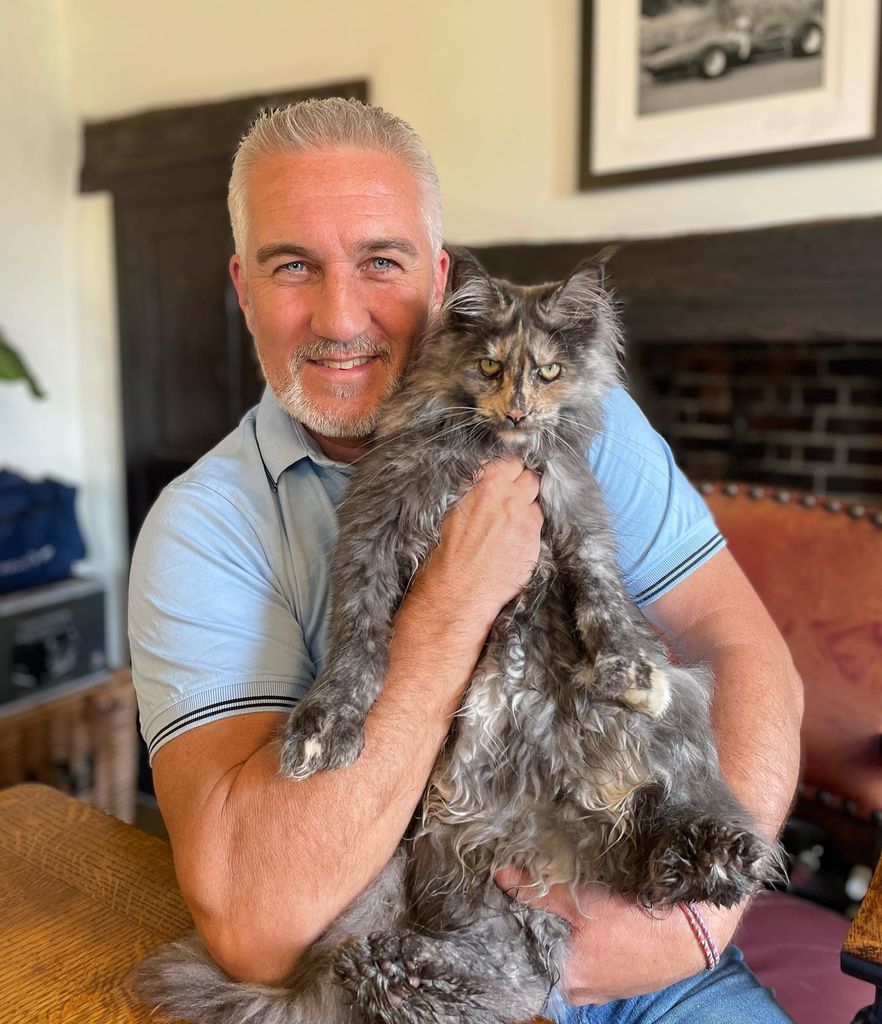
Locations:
(706, 860)
(415, 978)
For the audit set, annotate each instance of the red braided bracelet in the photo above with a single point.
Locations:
(701, 931)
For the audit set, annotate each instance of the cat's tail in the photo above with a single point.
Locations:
(183, 981)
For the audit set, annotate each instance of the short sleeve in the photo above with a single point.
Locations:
(662, 527)
(212, 633)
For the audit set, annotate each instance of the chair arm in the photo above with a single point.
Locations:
(862, 949)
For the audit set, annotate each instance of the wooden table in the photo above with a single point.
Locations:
(83, 898)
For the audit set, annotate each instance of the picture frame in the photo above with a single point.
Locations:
(758, 106)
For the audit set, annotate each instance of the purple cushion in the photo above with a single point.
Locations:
(793, 947)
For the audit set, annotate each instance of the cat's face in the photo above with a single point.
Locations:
(521, 360)
(520, 377)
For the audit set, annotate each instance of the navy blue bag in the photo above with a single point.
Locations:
(39, 535)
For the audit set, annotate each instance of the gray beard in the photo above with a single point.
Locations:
(293, 398)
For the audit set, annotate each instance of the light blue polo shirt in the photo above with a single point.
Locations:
(229, 587)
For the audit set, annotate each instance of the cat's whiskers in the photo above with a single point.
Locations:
(378, 445)
(438, 435)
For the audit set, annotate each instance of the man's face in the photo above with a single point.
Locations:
(339, 281)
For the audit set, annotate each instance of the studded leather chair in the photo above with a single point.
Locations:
(817, 565)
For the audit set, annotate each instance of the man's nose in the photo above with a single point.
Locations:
(340, 311)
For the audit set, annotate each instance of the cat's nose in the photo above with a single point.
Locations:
(516, 415)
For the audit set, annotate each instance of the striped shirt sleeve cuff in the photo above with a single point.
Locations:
(698, 546)
(210, 705)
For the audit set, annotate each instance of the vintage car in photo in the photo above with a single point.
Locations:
(690, 39)
(707, 37)
(788, 27)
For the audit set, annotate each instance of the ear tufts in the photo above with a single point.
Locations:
(471, 291)
(583, 296)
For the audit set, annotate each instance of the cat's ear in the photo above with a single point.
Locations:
(471, 293)
(576, 300)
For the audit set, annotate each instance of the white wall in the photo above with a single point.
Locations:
(491, 85)
(102, 480)
(40, 135)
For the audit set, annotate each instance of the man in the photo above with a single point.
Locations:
(338, 267)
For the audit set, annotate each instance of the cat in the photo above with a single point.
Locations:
(580, 753)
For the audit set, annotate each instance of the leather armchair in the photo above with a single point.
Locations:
(817, 564)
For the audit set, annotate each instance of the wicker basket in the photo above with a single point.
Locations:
(80, 738)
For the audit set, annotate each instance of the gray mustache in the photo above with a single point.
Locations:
(324, 348)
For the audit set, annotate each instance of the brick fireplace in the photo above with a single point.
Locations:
(807, 416)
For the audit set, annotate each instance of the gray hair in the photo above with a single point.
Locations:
(314, 125)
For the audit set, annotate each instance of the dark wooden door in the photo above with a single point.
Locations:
(188, 367)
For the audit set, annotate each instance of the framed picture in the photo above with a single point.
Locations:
(679, 87)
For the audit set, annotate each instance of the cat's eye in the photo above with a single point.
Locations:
(549, 371)
(490, 367)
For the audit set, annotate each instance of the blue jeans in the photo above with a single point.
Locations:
(729, 994)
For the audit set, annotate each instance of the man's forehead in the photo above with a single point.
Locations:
(370, 193)
(335, 173)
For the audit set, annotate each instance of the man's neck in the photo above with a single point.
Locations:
(341, 449)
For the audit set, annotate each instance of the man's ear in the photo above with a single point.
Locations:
(442, 274)
(471, 292)
(240, 283)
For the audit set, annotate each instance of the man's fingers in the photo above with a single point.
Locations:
(519, 886)
(502, 467)
(529, 481)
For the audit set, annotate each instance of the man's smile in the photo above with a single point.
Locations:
(343, 364)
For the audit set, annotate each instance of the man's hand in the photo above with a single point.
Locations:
(489, 542)
(617, 950)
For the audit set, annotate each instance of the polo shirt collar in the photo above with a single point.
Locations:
(283, 441)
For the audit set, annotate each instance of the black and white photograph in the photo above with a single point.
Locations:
(678, 87)
(696, 52)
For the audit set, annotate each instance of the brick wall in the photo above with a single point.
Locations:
(803, 416)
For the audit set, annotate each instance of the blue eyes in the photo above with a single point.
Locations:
(380, 263)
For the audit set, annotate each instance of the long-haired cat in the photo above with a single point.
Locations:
(580, 753)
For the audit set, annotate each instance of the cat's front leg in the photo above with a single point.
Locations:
(622, 659)
(325, 729)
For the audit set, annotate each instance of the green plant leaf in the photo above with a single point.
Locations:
(13, 367)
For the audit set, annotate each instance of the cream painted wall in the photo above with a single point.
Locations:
(37, 241)
(491, 85)
(102, 478)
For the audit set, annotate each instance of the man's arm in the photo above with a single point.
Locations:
(617, 950)
(265, 863)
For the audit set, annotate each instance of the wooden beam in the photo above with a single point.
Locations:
(807, 282)
(175, 136)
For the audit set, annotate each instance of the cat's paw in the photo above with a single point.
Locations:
(390, 975)
(706, 861)
(634, 681)
(317, 737)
